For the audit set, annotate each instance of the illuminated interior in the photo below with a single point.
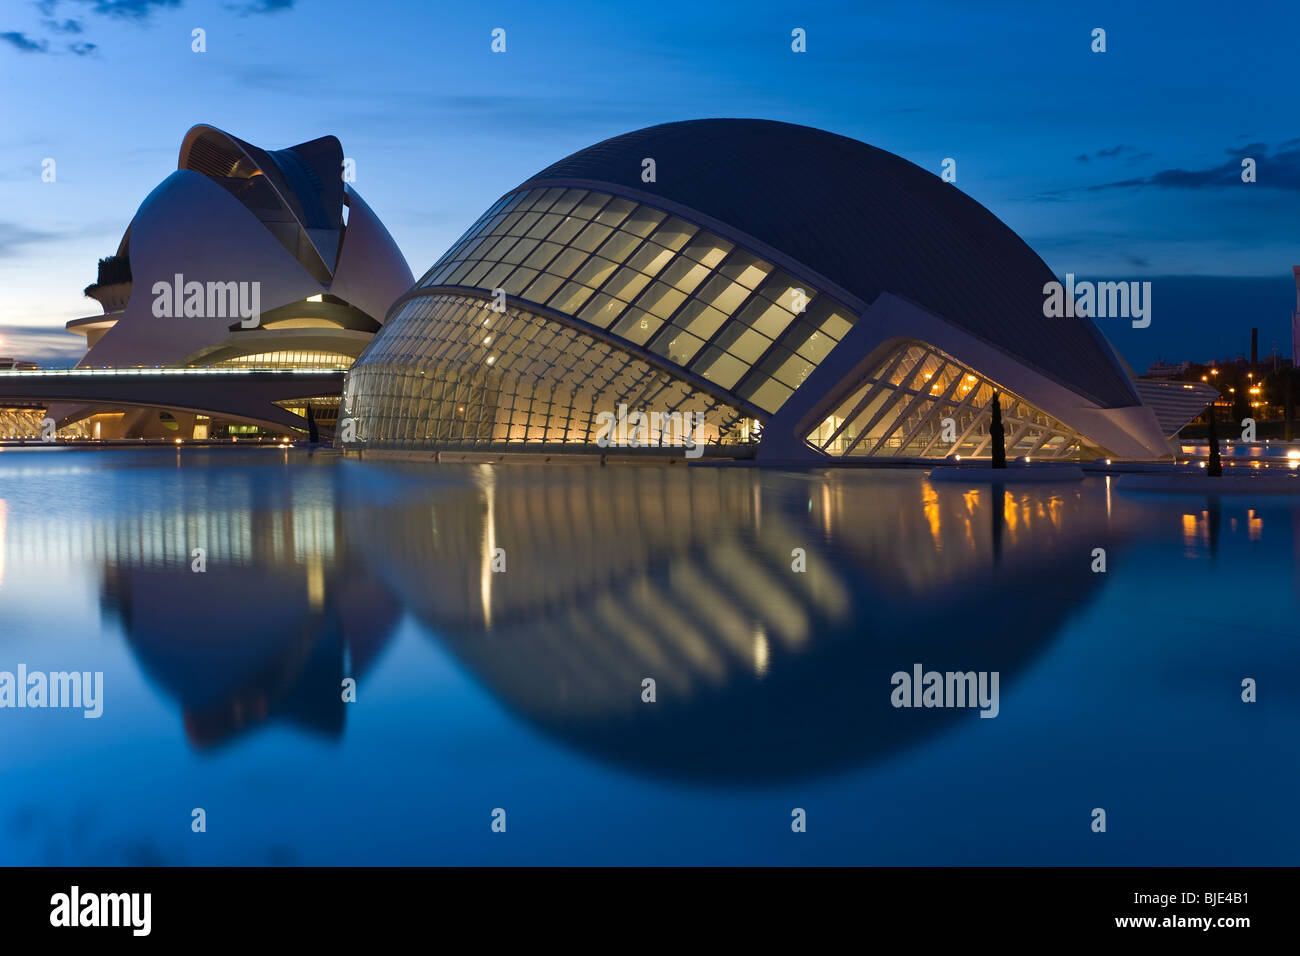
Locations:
(899, 410)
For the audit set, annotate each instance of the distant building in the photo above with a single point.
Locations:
(1163, 370)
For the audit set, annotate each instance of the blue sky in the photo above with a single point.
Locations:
(1114, 165)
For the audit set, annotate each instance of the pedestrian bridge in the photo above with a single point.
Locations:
(244, 394)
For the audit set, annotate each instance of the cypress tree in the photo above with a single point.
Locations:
(313, 433)
(1215, 468)
(998, 435)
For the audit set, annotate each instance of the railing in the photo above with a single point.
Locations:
(51, 372)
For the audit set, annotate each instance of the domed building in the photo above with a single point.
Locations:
(795, 294)
(238, 229)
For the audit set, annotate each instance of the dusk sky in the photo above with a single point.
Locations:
(1123, 164)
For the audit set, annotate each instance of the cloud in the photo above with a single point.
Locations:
(138, 11)
(13, 237)
(1110, 153)
(260, 6)
(127, 9)
(21, 42)
(1280, 170)
(65, 26)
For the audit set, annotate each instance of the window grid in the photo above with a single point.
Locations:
(431, 382)
(655, 280)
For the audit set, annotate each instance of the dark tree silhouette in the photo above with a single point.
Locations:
(998, 435)
(1215, 468)
(313, 433)
(1241, 400)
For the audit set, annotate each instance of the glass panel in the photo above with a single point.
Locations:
(570, 298)
(564, 205)
(626, 284)
(720, 368)
(685, 274)
(637, 326)
(542, 287)
(767, 318)
(615, 211)
(543, 254)
(674, 233)
(745, 268)
(566, 262)
(771, 395)
(661, 299)
(592, 236)
(602, 310)
(519, 251)
(544, 225)
(619, 246)
(700, 319)
(708, 249)
(723, 294)
(643, 221)
(567, 229)
(650, 258)
(594, 271)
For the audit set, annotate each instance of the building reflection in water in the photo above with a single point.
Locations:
(612, 575)
(685, 576)
(267, 632)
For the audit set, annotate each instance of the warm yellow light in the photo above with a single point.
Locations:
(179, 440)
(316, 298)
(491, 359)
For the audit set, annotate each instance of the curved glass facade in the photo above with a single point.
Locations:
(451, 371)
(654, 280)
(899, 410)
(726, 289)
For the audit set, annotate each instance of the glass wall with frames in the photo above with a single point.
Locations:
(899, 410)
(450, 371)
(654, 280)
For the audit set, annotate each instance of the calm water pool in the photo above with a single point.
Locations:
(479, 689)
